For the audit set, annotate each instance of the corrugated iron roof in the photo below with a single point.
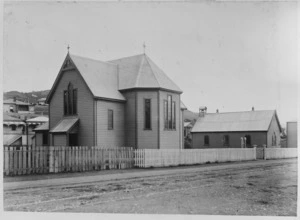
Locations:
(6, 117)
(43, 127)
(141, 72)
(64, 125)
(234, 121)
(39, 119)
(9, 139)
(101, 77)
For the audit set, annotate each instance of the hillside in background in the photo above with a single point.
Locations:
(30, 97)
(190, 116)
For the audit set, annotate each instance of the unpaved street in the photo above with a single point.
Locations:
(267, 188)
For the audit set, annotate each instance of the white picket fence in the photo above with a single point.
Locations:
(171, 157)
(277, 153)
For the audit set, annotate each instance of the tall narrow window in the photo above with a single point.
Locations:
(166, 114)
(74, 101)
(70, 100)
(65, 102)
(45, 138)
(169, 111)
(110, 119)
(206, 140)
(147, 114)
(226, 140)
(173, 116)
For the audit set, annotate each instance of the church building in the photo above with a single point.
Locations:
(125, 102)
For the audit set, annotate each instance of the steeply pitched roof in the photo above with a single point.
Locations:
(235, 121)
(101, 77)
(141, 72)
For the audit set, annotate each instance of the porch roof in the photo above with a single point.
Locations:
(65, 125)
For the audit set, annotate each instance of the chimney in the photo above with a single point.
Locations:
(202, 111)
(252, 108)
(217, 111)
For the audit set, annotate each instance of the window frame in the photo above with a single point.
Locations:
(169, 113)
(70, 104)
(206, 140)
(149, 127)
(110, 118)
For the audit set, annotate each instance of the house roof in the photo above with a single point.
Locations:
(8, 118)
(43, 127)
(17, 102)
(235, 121)
(101, 77)
(38, 119)
(42, 99)
(64, 125)
(9, 139)
(141, 72)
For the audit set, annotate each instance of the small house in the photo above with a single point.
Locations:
(236, 129)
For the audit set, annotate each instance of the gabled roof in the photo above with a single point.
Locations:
(17, 102)
(9, 139)
(235, 121)
(141, 72)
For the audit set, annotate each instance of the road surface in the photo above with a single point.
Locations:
(248, 188)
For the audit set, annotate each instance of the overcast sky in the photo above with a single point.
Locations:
(224, 55)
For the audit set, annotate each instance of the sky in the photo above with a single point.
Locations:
(224, 55)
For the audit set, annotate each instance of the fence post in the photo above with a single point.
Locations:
(264, 152)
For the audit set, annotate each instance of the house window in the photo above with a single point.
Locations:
(70, 100)
(13, 127)
(248, 140)
(45, 138)
(206, 140)
(274, 139)
(169, 113)
(226, 140)
(110, 119)
(147, 113)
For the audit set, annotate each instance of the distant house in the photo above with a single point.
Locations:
(124, 102)
(291, 127)
(16, 106)
(13, 129)
(237, 129)
(41, 101)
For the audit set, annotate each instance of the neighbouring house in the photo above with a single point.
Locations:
(124, 102)
(41, 101)
(41, 137)
(292, 134)
(187, 128)
(236, 129)
(13, 129)
(16, 106)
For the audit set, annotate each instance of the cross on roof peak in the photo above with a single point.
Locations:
(68, 48)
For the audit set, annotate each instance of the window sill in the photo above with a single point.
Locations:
(147, 129)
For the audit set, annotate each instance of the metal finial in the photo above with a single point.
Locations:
(68, 48)
(144, 46)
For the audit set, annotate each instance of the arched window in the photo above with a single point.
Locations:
(13, 127)
(70, 100)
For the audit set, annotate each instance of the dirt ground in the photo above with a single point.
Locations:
(268, 189)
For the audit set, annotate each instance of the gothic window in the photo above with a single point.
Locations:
(110, 122)
(70, 100)
(169, 113)
(206, 140)
(147, 113)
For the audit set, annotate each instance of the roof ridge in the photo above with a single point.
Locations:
(125, 57)
(214, 113)
(153, 72)
(92, 59)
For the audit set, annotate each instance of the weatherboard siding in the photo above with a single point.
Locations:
(273, 128)
(116, 136)
(169, 139)
(84, 106)
(216, 139)
(60, 140)
(147, 139)
(130, 118)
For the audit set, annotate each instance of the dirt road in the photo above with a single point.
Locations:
(262, 188)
